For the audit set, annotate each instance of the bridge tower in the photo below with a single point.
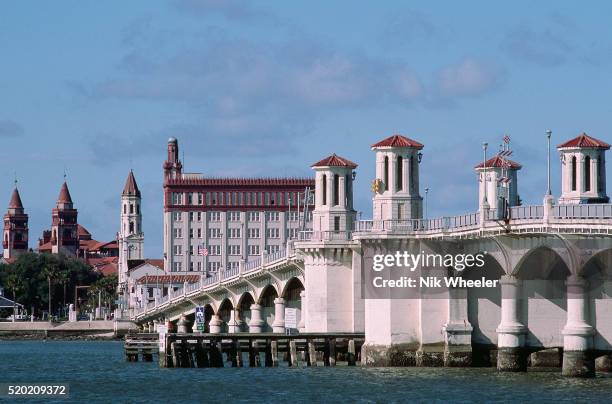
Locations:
(396, 186)
(333, 210)
(497, 185)
(130, 237)
(332, 300)
(15, 239)
(583, 170)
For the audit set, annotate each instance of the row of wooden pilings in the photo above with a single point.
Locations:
(217, 350)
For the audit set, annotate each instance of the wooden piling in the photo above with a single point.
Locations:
(293, 353)
(217, 348)
(312, 353)
(176, 362)
(274, 352)
(350, 357)
(332, 351)
(268, 354)
(326, 352)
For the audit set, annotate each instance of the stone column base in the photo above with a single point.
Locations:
(604, 363)
(430, 355)
(546, 358)
(389, 355)
(511, 359)
(578, 364)
(458, 356)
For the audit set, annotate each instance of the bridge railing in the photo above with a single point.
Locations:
(213, 278)
(192, 286)
(228, 273)
(325, 235)
(418, 225)
(591, 211)
(527, 212)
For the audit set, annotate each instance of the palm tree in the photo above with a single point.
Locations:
(15, 283)
(63, 276)
(50, 271)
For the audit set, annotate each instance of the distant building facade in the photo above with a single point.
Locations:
(212, 224)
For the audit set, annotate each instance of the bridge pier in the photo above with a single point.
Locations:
(233, 325)
(578, 357)
(511, 354)
(256, 323)
(215, 324)
(279, 315)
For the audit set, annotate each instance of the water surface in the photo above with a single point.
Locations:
(98, 372)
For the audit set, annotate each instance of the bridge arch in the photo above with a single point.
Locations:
(543, 272)
(597, 271)
(224, 313)
(266, 301)
(244, 310)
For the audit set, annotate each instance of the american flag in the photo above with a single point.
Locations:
(202, 250)
(506, 139)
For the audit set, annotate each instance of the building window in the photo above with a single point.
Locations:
(234, 249)
(293, 216)
(336, 189)
(178, 250)
(386, 174)
(190, 198)
(190, 250)
(214, 233)
(131, 208)
(191, 266)
(199, 215)
(200, 198)
(177, 216)
(178, 233)
(199, 266)
(191, 233)
(272, 216)
(399, 176)
(293, 233)
(273, 249)
(573, 174)
(191, 216)
(253, 249)
(234, 232)
(253, 216)
(125, 208)
(214, 250)
(233, 216)
(273, 233)
(199, 233)
(178, 266)
(215, 216)
(254, 232)
(324, 180)
(336, 223)
(587, 173)
(213, 266)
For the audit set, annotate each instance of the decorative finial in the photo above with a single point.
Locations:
(15, 180)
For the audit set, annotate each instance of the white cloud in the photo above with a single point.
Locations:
(468, 78)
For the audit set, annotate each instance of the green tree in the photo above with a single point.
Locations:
(50, 271)
(15, 284)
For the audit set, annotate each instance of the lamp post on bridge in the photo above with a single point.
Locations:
(426, 192)
(548, 198)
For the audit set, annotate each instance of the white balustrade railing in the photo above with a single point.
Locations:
(594, 211)
(527, 212)
(228, 273)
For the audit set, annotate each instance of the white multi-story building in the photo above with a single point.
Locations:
(212, 224)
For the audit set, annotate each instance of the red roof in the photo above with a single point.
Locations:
(150, 279)
(398, 141)
(15, 202)
(500, 162)
(131, 188)
(159, 263)
(586, 141)
(301, 182)
(45, 247)
(106, 266)
(64, 196)
(335, 161)
(83, 233)
(108, 245)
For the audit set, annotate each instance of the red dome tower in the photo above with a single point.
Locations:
(64, 236)
(15, 239)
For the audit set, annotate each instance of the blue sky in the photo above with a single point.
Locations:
(267, 88)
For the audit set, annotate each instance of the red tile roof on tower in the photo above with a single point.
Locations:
(64, 196)
(335, 161)
(83, 233)
(131, 188)
(584, 140)
(398, 141)
(15, 202)
(500, 162)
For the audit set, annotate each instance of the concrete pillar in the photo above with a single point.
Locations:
(578, 358)
(548, 208)
(233, 325)
(215, 324)
(511, 332)
(458, 330)
(183, 325)
(151, 326)
(155, 325)
(302, 325)
(256, 323)
(279, 315)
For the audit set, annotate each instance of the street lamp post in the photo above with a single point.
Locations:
(485, 145)
(426, 192)
(548, 135)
